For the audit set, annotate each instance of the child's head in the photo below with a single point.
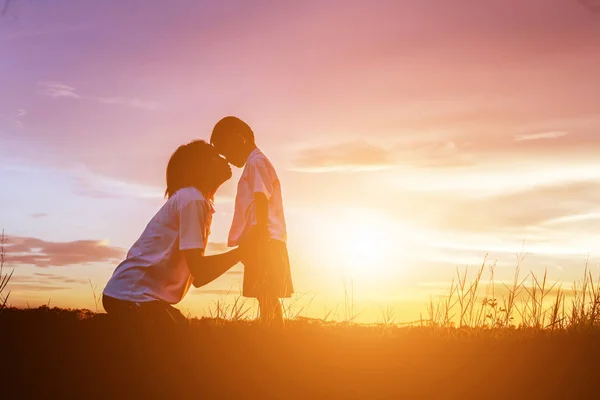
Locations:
(234, 139)
(196, 164)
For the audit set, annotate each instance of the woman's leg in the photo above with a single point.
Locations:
(117, 308)
(163, 314)
(123, 316)
(152, 313)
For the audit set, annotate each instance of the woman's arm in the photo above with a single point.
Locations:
(192, 244)
(206, 269)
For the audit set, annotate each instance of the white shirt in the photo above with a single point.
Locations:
(155, 268)
(259, 176)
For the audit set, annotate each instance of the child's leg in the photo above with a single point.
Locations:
(271, 312)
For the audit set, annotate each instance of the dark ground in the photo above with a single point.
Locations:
(53, 353)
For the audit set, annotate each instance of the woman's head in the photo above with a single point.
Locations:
(196, 164)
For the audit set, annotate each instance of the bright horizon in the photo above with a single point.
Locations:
(410, 138)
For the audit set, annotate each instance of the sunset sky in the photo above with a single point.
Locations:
(411, 137)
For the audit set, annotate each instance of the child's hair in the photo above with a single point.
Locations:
(191, 165)
(229, 125)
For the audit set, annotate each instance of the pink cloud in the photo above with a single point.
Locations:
(57, 90)
(33, 251)
(352, 156)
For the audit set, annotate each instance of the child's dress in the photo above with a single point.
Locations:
(267, 272)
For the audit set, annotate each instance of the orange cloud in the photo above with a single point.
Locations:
(43, 282)
(353, 156)
(363, 156)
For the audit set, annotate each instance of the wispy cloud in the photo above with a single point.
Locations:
(435, 154)
(44, 32)
(520, 210)
(43, 282)
(34, 287)
(592, 5)
(133, 102)
(541, 136)
(56, 90)
(219, 292)
(88, 188)
(5, 7)
(13, 119)
(362, 156)
(101, 187)
(574, 218)
(350, 156)
(38, 215)
(38, 252)
(58, 278)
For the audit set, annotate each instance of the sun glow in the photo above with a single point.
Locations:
(362, 242)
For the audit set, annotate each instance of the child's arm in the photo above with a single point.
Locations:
(261, 181)
(206, 269)
(262, 214)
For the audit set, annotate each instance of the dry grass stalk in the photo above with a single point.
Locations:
(4, 277)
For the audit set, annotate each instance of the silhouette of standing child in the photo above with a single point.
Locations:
(258, 221)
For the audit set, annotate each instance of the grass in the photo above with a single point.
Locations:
(97, 299)
(483, 338)
(4, 276)
(79, 353)
(525, 302)
(239, 310)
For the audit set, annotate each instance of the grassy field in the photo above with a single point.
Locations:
(56, 353)
(525, 339)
